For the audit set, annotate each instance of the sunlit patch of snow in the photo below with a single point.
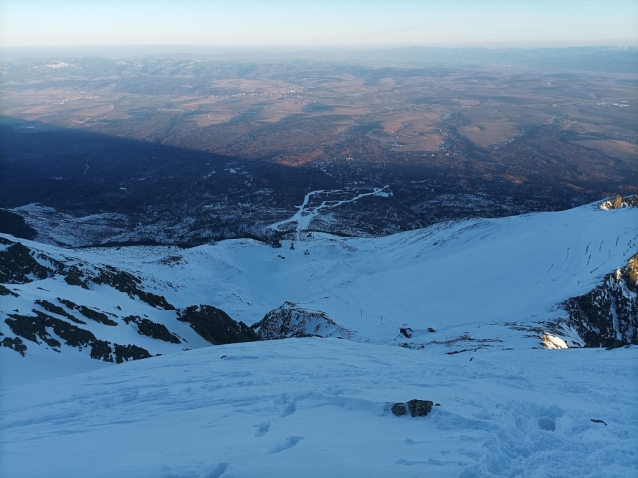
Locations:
(58, 65)
(551, 341)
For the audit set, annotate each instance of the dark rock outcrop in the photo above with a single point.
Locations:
(32, 328)
(102, 350)
(417, 408)
(54, 309)
(35, 327)
(128, 283)
(18, 266)
(399, 409)
(100, 317)
(607, 316)
(215, 326)
(14, 344)
(5, 291)
(292, 321)
(152, 329)
(74, 277)
(12, 223)
(406, 332)
(130, 352)
(620, 202)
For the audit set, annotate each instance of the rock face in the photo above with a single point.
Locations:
(292, 321)
(54, 309)
(14, 343)
(152, 329)
(215, 326)
(620, 202)
(54, 318)
(18, 266)
(128, 283)
(35, 329)
(5, 291)
(86, 312)
(102, 350)
(417, 408)
(607, 316)
(12, 223)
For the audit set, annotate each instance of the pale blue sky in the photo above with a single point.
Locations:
(493, 23)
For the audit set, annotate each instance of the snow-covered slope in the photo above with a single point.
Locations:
(450, 277)
(468, 302)
(62, 315)
(463, 286)
(321, 407)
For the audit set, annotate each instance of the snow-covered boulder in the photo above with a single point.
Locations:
(289, 320)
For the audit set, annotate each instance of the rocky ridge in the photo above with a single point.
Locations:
(607, 316)
(289, 320)
(59, 322)
(619, 202)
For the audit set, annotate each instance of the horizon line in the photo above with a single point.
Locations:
(352, 46)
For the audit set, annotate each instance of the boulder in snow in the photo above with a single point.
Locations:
(289, 320)
(417, 408)
(215, 326)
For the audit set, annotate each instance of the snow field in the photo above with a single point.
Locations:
(471, 279)
(320, 407)
(452, 277)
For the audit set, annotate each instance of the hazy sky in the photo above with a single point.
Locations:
(306, 23)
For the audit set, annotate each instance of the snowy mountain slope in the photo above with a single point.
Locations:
(458, 287)
(448, 277)
(59, 312)
(468, 301)
(320, 407)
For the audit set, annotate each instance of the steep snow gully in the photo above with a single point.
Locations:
(456, 314)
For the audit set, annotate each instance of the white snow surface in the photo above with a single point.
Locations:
(318, 407)
(447, 276)
(471, 281)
